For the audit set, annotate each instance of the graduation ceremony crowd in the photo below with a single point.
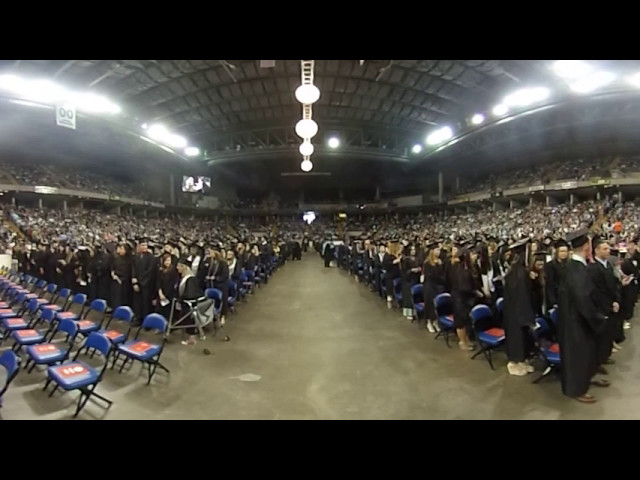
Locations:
(573, 269)
(146, 263)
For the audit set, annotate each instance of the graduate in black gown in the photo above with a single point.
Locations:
(410, 274)
(553, 272)
(579, 323)
(607, 299)
(433, 285)
(102, 272)
(536, 276)
(464, 294)
(518, 312)
(121, 291)
(166, 281)
(144, 266)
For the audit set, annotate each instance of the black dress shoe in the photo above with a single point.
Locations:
(602, 371)
(610, 361)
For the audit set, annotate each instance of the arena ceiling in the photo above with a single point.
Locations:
(239, 111)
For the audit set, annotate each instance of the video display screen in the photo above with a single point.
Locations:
(196, 184)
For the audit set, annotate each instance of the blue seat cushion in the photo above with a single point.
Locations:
(139, 350)
(14, 323)
(419, 307)
(87, 326)
(493, 336)
(73, 375)
(7, 313)
(27, 337)
(552, 353)
(115, 336)
(446, 320)
(55, 308)
(67, 315)
(46, 353)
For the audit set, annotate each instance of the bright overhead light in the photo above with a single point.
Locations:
(306, 128)
(307, 94)
(417, 148)
(44, 91)
(500, 110)
(440, 135)
(92, 103)
(306, 166)
(526, 97)
(158, 132)
(145, 126)
(572, 69)
(477, 119)
(634, 79)
(334, 142)
(306, 148)
(592, 82)
(10, 82)
(192, 151)
(177, 141)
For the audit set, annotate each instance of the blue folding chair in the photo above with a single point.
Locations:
(147, 353)
(50, 292)
(63, 295)
(31, 336)
(418, 300)
(11, 363)
(51, 352)
(73, 311)
(97, 312)
(549, 350)
(489, 334)
(77, 375)
(123, 317)
(444, 311)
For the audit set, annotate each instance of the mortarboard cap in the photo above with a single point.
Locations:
(184, 261)
(578, 238)
(561, 243)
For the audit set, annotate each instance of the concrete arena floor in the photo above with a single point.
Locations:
(324, 347)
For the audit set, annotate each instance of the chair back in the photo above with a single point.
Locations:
(481, 317)
(155, 321)
(11, 363)
(443, 304)
(553, 314)
(123, 313)
(64, 295)
(417, 293)
(69, 327)
(499, 305)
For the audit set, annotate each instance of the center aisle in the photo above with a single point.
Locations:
(314, 344)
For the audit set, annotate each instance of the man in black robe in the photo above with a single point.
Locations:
(121, 277)
(518, 313)
(102, 271)
(607, 299)
(579, 323)
(553, 272)
(143, 280)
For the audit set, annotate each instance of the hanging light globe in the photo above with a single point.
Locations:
(306, 128)
(306, 166)
(306, 148)
(307, 94)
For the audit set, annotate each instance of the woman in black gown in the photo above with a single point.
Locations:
(410, 273)
(166, 281)
(434, 285)
(464, 293)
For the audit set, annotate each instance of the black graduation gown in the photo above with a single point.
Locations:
(553, 272)
(432, 287)
(121, 293)
(606, 291)
(393, 272)
(518, 313)
(627, 292)
(144, 269)
(102, 275)
(463, 294)
(579, 324)
(409, 279)
(537, 294)
(166, 281)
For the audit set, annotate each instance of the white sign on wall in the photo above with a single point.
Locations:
(66, 116)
